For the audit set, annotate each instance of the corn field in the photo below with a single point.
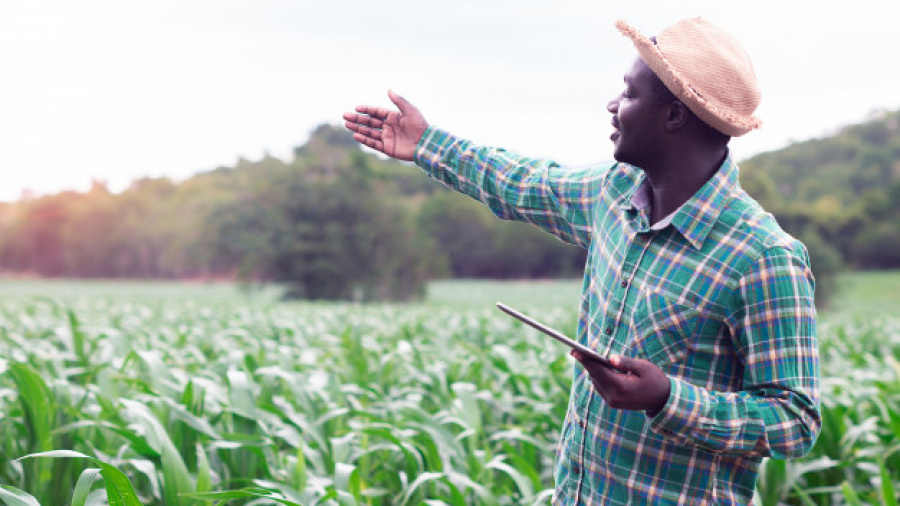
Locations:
(120, 398)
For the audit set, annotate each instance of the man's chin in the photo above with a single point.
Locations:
(623, 156)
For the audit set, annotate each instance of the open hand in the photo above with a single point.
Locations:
(394, 133)
(635, 384)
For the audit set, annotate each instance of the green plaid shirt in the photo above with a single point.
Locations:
(716, 295)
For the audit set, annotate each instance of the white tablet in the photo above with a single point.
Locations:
(559, 336)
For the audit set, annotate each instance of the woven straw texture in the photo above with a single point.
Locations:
(707, 69)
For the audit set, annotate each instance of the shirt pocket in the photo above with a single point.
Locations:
(663, 330)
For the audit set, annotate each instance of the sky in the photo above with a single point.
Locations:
(112, 91)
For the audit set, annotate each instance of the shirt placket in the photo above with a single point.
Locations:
(612, 328)
(637, 249)
(578, 458)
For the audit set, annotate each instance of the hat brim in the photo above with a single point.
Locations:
(723, 121)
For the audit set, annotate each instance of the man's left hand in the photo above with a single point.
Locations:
(635, 384)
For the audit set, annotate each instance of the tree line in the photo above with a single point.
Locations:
(840, 194)
(335, 222)
(332, 223)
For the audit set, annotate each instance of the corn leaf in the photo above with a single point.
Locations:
(888, 494)
(244, 493)
(11, 496)
(37, 403)
(119, 490)
(84, 485)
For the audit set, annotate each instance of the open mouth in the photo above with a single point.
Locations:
(615, 124)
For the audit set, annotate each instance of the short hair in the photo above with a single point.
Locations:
(661, 94)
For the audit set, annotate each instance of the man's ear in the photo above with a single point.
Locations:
(676, 116)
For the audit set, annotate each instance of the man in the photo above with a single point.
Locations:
(703, 304)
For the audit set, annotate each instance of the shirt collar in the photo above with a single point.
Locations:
(696, 217)
(640, 199)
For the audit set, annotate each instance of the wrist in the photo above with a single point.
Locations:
(662, 399)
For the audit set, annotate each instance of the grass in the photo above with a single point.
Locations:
(867, 293)
(468, 294)
(862, 293)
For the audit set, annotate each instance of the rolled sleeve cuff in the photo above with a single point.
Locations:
(683, 411)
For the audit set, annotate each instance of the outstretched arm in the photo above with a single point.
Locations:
(514, 187)
(394, 133)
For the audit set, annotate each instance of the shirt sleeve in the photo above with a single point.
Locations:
(540, 192)
(776, 414)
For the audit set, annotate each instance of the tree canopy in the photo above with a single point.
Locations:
(332, 223)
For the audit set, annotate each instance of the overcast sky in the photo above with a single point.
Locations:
(116, 90)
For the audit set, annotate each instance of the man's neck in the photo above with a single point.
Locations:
(675, 180)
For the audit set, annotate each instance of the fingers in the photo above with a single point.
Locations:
(591, 364)
(394, 133)
(366, 124)
(596, 369)
(376, 116)
(375, 112)
(634, 384)
(363, 119)
(401, 103)
(380, 113)
(363, 130)
(366, 127)
(625, 364)
(369, 141)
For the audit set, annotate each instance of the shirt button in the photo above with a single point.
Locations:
(608, 330)
(624, 284)
(576, 469)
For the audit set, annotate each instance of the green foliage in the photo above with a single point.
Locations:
(119, 491)
(826, 263)
(217, 399)
(257, 492)
(333, 223)
(843, 189)
(12, 496)
(476, 244)
(878, 247)
(197, 394)
(333, 231)
(337, 223)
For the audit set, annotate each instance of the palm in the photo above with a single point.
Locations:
(394, 133)
(393, 137)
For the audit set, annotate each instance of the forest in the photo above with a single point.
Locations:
(335, 222)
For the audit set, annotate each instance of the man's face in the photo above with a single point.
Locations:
(638, 117)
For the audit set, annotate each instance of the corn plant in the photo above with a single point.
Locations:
(152, 397)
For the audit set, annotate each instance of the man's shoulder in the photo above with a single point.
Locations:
(622, 179)
(745, 221)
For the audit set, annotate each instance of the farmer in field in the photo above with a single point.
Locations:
(704, 305)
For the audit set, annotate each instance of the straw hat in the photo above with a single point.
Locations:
(707, 69)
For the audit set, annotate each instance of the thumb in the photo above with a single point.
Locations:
(626, 364)
(401, 103)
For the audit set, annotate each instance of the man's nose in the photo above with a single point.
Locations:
(613, 106)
